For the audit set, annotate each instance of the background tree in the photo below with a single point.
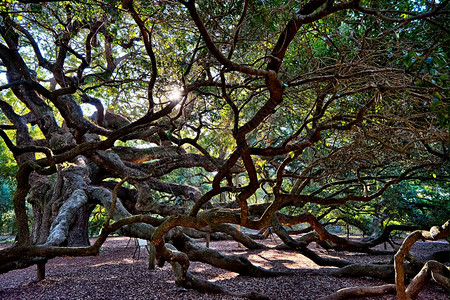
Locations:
(204, 114)
(7, 171)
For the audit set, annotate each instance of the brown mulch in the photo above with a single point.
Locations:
(115, 274)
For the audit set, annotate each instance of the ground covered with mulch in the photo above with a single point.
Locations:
(116, 274)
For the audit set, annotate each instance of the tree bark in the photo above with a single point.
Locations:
(435, 233)
(59, 230)
(301, 246)
(189, 281)
(432, 269)
(233, 263)
(361, 291)
(40, 271)
(383, 272)
(79, 231)
(151, 255)
(238, 236)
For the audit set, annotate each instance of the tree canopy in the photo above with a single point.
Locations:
(201, 114)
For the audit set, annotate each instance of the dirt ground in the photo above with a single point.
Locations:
(115, 274)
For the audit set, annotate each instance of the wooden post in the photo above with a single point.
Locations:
(208, 239)
(239, 229)
(151, 255)
(40, 271)
(236, 178)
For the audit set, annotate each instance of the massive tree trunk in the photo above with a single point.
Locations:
(62, 206)
(79, 230)
(40, 199)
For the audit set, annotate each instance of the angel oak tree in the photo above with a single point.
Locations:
(182, 115)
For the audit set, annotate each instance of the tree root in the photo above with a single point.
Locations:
(437, 271)
(301, 246)
(435, 233)
(361, 291)
(233, 263)
(384, 272)
(206, 286)
(189, 281)
(238, 236)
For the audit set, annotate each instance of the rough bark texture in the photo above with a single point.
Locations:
(361, 291)
(239, 236)
(234, 263)
(60, 226)
(435, 233)
(300, 245)
(384, 272)
(432, 269)
(192, 282)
